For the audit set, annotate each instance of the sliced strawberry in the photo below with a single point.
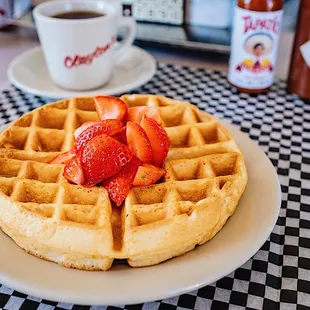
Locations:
(121, 136)
(118, 186)
(63, 158)
(158, 138)
(110, 108)
(73, 171)
(84, 126)
(135, 114)
(138, 142)
(148, 174)
(103, 157)
(108, 127)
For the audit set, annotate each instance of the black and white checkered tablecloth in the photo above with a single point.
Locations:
(278, 276)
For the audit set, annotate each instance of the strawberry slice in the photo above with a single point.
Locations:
(84, 126)
(148, 174)
(118, 186)
(110, 108)
(108, 127)
(135, 114)
(73, 171)
(138, 142)
(64, 158)
(121, 136)
(103, 157)
(158, 138)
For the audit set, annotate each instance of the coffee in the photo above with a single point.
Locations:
(78, 15)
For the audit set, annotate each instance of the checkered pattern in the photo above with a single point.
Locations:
(278, 276)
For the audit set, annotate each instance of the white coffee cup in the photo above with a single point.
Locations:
(81, 53)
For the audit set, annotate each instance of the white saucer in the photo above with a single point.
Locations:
(28, 72)
(244, 233)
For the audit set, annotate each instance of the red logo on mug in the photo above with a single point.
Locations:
(78, 60)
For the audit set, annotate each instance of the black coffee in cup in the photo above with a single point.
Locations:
(78, 15)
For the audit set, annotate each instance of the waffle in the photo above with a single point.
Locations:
(80, 227)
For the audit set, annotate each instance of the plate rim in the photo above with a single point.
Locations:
(73, 298)
(71, 93)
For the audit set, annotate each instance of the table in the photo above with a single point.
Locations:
(278, 276)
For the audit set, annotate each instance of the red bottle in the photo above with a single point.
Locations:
(254, 44)
(299, 74)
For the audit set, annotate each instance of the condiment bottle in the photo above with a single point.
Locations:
(299, 73)
(254, 44)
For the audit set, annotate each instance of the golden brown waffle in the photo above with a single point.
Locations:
(79, 227)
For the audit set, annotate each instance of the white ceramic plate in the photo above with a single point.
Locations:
(245, 232)
(28, 72)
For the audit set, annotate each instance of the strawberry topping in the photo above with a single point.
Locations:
(158, 138)
(84, 126)
(109, 127)
(118, 186)
(121, 136)
(110, 108)
(138, 142)
(103, 157)
(116, 156)
(63, 158)
(135, 114)
(148, 174)
(73, 171)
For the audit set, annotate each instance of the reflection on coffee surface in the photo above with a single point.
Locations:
(78, 15)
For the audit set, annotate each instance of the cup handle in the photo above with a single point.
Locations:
(122, 48)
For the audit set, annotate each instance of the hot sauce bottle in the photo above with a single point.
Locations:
(254, 44)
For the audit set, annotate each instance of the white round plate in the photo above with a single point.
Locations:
(28, 72)
(241, 237)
